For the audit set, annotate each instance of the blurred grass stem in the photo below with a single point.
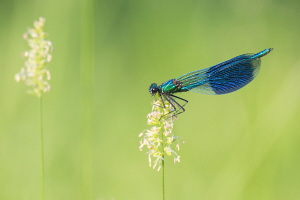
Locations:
(42, 151)
(87, 42)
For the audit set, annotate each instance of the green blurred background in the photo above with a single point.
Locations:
(243, 145)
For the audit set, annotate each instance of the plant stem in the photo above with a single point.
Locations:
(87, 58)
(42, 152)
(163, 167)
(163, 180)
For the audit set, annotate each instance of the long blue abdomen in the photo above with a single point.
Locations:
(231, 77)
(225, 77)
(234, 74)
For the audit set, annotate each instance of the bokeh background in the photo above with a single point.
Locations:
(243, 145)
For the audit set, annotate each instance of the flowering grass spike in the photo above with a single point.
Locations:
(35, 73)
(159, 139)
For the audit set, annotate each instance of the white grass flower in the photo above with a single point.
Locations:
(159, 139)
(34, 73)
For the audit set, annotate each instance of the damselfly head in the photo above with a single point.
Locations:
(153, 89)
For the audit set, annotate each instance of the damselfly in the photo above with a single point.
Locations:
(222, 78)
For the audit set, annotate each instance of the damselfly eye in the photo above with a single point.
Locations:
(153, 88)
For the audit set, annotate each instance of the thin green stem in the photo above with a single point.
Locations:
(163, 179)
(42, 152)
(163, 167)
(87, 60)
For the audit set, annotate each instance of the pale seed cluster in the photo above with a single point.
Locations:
(34, 73)
(160, 134)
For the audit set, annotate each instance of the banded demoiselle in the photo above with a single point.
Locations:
(222, 78)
